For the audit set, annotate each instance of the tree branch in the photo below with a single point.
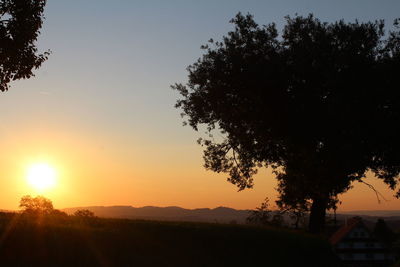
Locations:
(237, 164)
(377, 193)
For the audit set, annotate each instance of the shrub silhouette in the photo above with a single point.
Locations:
(84, 213)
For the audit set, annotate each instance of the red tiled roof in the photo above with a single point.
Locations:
(344, 230)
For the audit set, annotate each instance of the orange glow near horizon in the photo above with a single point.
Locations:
(100, 170)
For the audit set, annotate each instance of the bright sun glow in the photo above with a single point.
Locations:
(41, 176)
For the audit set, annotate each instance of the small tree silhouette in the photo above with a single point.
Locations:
(296, 210)
(36, 205)
(261, 214)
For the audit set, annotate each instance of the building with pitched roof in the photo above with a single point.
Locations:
(355, 245)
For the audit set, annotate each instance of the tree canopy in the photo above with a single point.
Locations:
(36, 205)
(320, 104)
(20, 22)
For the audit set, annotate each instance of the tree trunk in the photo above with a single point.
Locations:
(317, 215)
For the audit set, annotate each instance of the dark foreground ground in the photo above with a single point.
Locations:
(70, 241)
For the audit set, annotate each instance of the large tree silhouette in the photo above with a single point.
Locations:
(20, 22)
(319, 104)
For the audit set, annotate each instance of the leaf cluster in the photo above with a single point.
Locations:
(20, 23)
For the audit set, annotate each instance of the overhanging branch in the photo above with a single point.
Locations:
(377, 193)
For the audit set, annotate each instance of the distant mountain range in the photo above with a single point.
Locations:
(220, 214)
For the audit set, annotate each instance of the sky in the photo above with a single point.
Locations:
(101, 110)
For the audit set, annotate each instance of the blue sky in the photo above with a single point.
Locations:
(125, 54)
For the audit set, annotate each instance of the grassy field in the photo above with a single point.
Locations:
(70, 241)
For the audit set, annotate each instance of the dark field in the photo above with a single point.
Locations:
(70, 241)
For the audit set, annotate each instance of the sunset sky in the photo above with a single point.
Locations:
(101, 112)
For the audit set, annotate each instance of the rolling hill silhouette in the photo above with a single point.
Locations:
(172, 213)
(219, 214)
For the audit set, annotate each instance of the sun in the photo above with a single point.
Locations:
(41, 176)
